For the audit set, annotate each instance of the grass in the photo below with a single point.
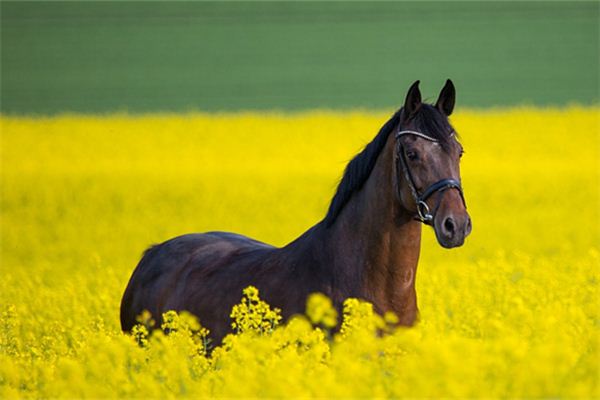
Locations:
(211, 56)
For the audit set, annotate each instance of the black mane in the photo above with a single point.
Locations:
(428, 120)
(358, 170)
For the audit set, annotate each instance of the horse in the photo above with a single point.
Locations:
(367, 245)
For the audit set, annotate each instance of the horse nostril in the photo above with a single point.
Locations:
(449, 225)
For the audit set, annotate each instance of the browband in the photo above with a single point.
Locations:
(415, 133)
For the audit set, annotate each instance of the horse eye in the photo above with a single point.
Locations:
(411, 155)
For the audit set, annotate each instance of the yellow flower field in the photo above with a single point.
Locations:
(514, 313)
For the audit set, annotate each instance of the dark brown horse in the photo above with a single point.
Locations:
(367, 246)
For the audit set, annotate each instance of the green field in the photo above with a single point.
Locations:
(181, 56)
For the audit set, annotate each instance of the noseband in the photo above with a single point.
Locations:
(423, 213)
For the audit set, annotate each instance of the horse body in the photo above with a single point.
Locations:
(366, 247)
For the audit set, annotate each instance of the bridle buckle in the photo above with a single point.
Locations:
(423, 212)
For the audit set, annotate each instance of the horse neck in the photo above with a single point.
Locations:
(374, 243)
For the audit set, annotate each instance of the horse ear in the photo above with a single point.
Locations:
(413, 99)
(445, 102)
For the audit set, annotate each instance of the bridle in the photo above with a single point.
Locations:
(423, 213)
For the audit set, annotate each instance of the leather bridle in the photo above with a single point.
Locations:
(423, 213)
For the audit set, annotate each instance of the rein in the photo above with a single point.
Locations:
(423, 213)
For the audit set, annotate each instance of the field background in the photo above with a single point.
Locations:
(125, 124)
(179, 56)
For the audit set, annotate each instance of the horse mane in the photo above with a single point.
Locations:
(427, 120)
(358, 170)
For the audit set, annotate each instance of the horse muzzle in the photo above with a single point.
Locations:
(451, 229)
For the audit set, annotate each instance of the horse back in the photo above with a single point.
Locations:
(172, 274)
